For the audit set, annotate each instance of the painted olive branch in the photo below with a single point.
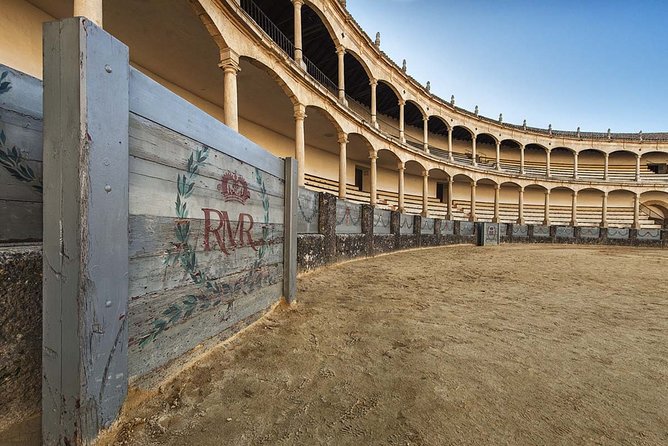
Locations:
(181, 252)
(11, 159)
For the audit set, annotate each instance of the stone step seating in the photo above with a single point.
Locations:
(385, 199)
(559, 215)
(619, 173)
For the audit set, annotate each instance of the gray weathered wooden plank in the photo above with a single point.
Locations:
(151, 195)
(150, 274)
(22, 221)
(290, 238)
(86, 74)
(152, 236)
(20, 156)
(178, 338)
(154, 102)
(24, 95)
(153, 142)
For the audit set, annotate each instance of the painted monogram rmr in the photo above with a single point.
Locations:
(228, 239)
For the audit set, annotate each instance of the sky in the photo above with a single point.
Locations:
(592, 64)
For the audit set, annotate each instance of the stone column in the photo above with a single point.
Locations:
(449, 203)
(636, 211)
(473, 199)
(605, 166)
(604, 211)
(341, 53)
(91, 9)
(402, 169)
(402, 136)
(298, 31)
(474, 150)
(497, 193)
(373, 156)
(574, 209)
(547, 163)
(498, 155)
(638, 167)
(450, 143)
(373, 83)
(522, 159)
(575, 165)
(425, 193)
(343, 145)
(229, 62)
(520, 207)
(425, 133)
(546, 219)
(300, 115)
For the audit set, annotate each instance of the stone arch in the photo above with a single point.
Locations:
(209, 25)
(325, 21)
(289, 92)
(361, 61)
(327, 115)
(657, 203)
(442, 120)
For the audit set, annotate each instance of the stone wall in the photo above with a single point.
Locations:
(405, 232)
(20, 333)
(413, 231)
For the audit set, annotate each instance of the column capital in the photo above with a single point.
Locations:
(574, 194)
(373, 82)
(474, 184)
(373, 155)
(298, 3)
(401, 166)
(402, 102)
(300, 112)
(497, 187)
(425, 173)
(340, 50)
(425, 119)
(343, 138)
(547, 191)
(229, 61)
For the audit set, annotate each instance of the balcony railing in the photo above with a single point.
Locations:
(320, 76)
(264, 22)
(268, 26)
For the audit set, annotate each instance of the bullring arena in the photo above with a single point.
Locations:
(157, 216)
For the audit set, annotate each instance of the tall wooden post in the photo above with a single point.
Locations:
(290, 231)
(85, 287)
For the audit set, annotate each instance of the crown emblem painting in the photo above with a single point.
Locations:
(234, 187)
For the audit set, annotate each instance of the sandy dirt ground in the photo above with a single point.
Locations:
(516, 345)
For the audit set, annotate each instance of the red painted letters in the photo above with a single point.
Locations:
(228, 240)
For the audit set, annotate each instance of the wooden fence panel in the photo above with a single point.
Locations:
(207, 225)
(20, 156)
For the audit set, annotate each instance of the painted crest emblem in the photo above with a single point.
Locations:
(234, 187)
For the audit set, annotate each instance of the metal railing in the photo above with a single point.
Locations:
(268, 26)
(658, 219)
(320, 76)
(264, 22)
